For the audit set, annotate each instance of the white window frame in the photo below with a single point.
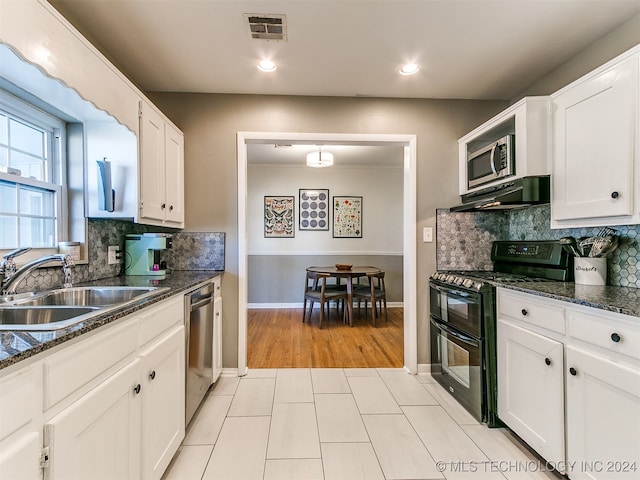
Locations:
(57, 170)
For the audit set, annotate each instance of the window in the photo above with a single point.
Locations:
(31, 176)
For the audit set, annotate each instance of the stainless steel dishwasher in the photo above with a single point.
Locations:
(199, 338)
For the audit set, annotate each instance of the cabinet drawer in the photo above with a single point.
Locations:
(606, 331)
(159, 318)
(67, 371)
(21, 399)
(525, 307)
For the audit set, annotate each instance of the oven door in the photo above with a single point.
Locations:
(456, 364)
(458, 308)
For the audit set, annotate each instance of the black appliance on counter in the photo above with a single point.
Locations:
(463, 319)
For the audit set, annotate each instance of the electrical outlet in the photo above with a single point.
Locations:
(112, 254)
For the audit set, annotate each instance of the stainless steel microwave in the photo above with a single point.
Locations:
(496, 160)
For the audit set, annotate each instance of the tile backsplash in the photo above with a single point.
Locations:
(463, 239)
(190, 251)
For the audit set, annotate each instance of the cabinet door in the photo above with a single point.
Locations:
(99, 435)
(593, 151)
(174, 170)
(217, 339)
(163, 419)
(20, 460)
(603, 417)
(530, 388)
(152, 164)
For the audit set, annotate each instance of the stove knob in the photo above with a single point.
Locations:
(458, 280)
(467, 283)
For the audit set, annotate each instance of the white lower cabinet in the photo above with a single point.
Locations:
(217, 339)
(99, 435)
(603, 417)
(20, 417)
(569, 381)
(531, 388)
(162, 402)
(110, 405)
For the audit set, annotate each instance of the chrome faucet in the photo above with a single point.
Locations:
(14, 278)
(8, 266)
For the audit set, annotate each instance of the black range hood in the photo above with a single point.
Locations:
(518, 193)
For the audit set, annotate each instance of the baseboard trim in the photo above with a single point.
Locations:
(299, 305)
(424, 368)
(229, 372)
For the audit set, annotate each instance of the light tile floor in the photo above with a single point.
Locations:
(350, 424)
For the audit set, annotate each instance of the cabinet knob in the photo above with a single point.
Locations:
(615, 195)
(573, 371)
(137, 389)
(547, 360)
(615, 337)
(171, 208)
(163, 206)
(152, 375)
(524, 312)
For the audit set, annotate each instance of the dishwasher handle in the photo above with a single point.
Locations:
(201, 303)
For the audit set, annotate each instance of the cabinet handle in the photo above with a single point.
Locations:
(137, 389)
(152, 375)
(615, 195)
(171, 208)
(573, 371)
(615, 337)
(163, 206)
(547, 360)
(524, 312)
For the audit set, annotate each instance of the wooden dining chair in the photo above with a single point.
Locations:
(317, 290)
(374, 292)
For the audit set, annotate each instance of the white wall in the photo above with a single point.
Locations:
(380, 188)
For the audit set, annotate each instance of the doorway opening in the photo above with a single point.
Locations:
(409, 281)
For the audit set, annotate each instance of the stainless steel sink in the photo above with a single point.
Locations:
(90, 296)
(43, 318)
(60, 308)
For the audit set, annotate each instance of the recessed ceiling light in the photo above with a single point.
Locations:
(267, 66)
(409, 69)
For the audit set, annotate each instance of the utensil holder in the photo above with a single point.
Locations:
(590, 270)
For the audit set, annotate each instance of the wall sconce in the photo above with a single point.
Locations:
(319, 159)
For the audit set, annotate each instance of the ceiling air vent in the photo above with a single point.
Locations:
(267, 27)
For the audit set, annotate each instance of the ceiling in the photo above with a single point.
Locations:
(344, 155)
(472, 49)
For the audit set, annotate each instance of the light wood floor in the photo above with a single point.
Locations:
(278, 339)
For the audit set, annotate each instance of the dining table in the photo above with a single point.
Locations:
(348, 274)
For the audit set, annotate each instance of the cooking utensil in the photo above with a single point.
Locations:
(585, 246)
(570, 246)
(599, 245)
(610, 247)
(606, 231)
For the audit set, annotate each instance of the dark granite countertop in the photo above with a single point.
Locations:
(624, 300)
(18, 345)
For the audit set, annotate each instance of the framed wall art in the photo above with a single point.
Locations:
(347, 217)
(279, 217)
(314, 209)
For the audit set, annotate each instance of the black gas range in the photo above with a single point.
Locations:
(463, 318)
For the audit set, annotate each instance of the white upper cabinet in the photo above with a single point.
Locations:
(595, 147)
(161, 169)
(528, 121)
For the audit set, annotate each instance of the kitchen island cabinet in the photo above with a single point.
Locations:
(595, 147)
(595, 388)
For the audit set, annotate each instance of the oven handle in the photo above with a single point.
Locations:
(463, 338)
(453, 291)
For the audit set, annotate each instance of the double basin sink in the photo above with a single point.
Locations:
(60, 308)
